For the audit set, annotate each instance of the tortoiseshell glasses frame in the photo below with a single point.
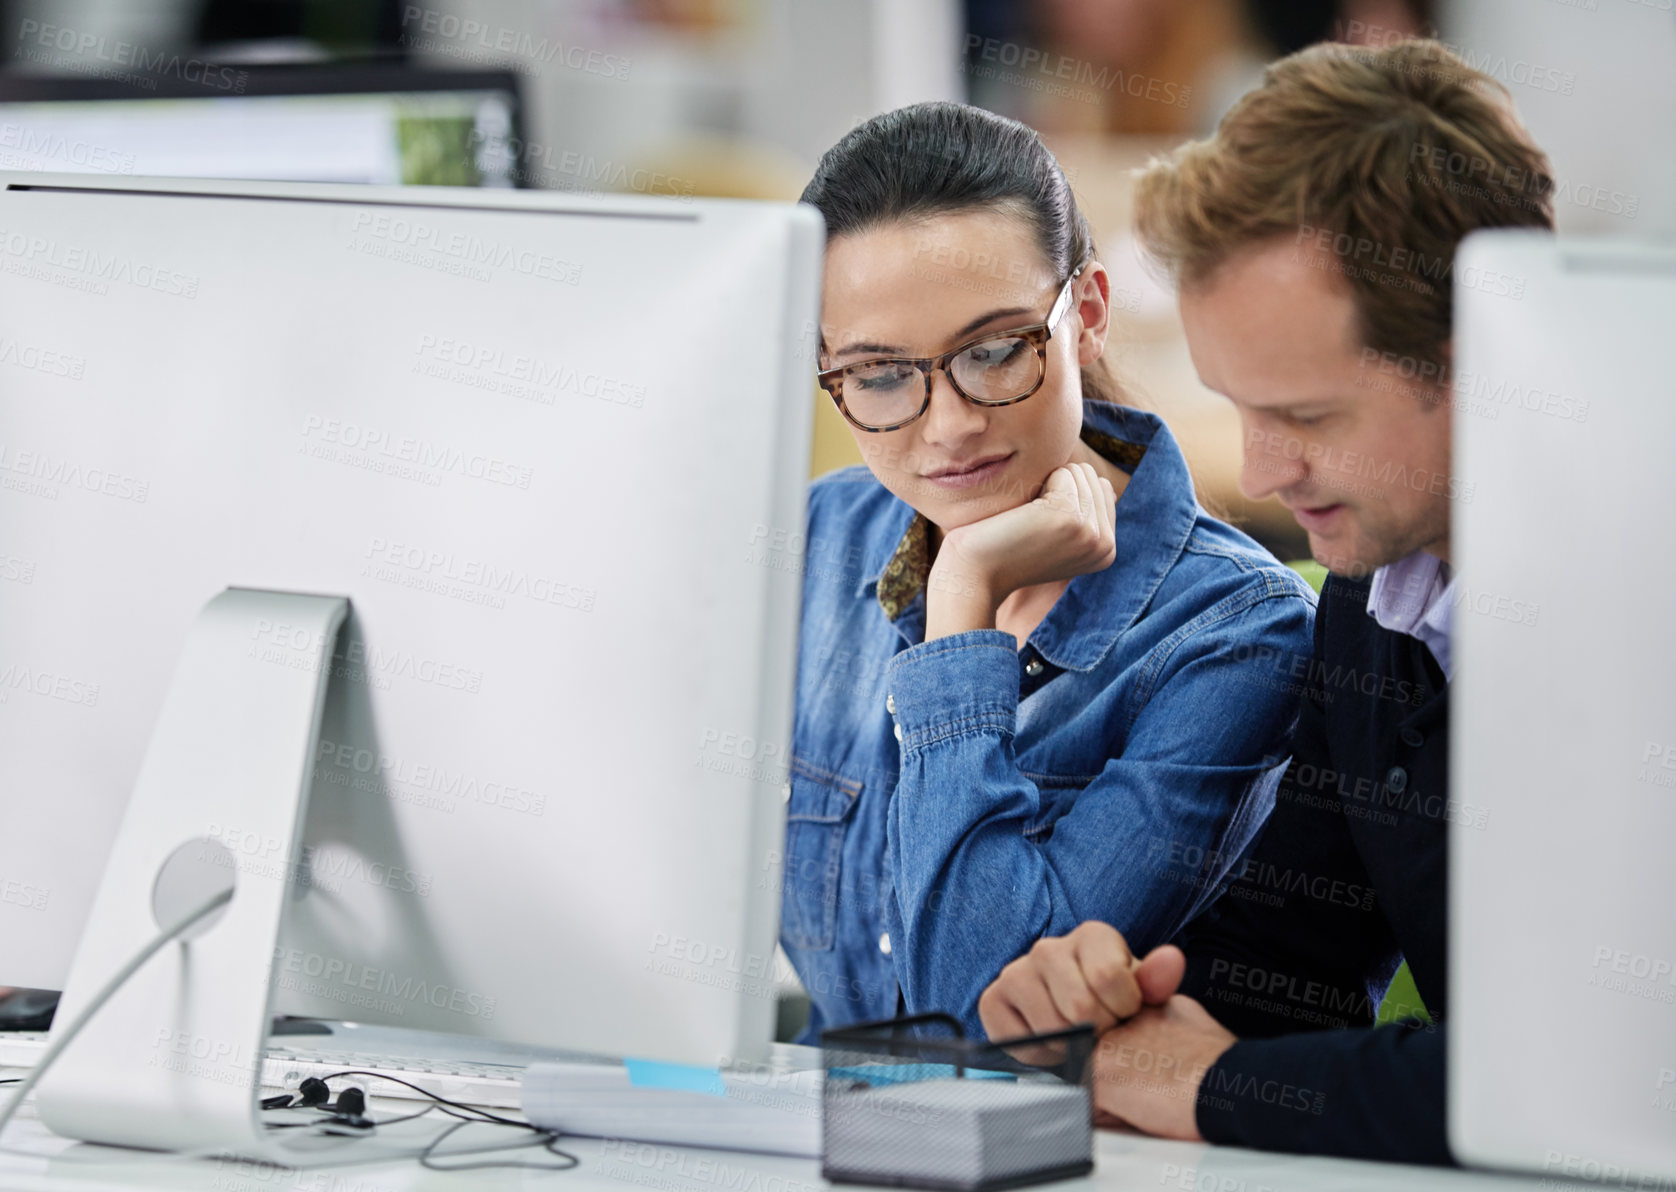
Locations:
(1035, 336)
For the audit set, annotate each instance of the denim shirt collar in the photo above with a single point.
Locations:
(1155, 515)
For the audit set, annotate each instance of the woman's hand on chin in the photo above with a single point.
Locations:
(1066, 531)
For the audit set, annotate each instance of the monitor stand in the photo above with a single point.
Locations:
(173, 1060)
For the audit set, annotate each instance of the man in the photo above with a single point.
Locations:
(1312, 241)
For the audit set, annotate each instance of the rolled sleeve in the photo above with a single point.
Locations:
(963, 683)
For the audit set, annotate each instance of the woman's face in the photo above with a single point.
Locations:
(920, 288)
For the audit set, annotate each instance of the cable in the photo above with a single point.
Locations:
(62, 1038)
(468, 1115)
(408, 1117)
(547, 1139)
(329, 1114)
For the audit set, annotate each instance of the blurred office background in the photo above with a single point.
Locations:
(740, 97)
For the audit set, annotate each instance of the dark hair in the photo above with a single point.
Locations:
(931, 159)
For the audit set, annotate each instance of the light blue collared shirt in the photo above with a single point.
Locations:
(1416, 596)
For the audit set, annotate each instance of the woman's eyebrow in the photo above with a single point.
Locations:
(894, 350)
(1005, 312)
(871, 348)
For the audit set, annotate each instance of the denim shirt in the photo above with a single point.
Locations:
(952, 801)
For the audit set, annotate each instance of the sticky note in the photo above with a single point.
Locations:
(651, 1074)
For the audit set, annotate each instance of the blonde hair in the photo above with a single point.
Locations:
(1376, 161)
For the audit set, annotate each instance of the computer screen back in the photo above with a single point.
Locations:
(1562, 1044)
(538, 441)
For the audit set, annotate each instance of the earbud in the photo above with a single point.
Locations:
(347, 1110)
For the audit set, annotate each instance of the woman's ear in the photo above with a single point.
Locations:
(1091, 300)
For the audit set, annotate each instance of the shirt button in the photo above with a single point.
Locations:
(884, 943)
(1397, 780)
(1412, 738)
(898, 729)
(890, 704)
(1033, 667)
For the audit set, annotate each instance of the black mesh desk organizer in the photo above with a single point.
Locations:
(910, 1102)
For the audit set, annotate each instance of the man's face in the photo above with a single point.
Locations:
(1359, 455)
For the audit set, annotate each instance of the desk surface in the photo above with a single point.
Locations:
(32, 1157)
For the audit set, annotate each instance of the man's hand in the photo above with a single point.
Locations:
(1155, 1045)
(1068, 530)
(1088, 976)
(1147, 1071)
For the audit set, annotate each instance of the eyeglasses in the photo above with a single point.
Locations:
(997, 369)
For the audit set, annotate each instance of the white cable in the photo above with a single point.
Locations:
(61, 1038)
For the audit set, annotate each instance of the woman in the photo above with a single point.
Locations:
(1037, 684)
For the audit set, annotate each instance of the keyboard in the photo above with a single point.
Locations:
(471, 1071)
(471, 1082)
(20, 1049)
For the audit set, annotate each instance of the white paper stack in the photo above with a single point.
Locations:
(774, 1111)
(957, 1133)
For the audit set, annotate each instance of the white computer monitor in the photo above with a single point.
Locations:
(379, 123)
(1562, 970)
(540, 442)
